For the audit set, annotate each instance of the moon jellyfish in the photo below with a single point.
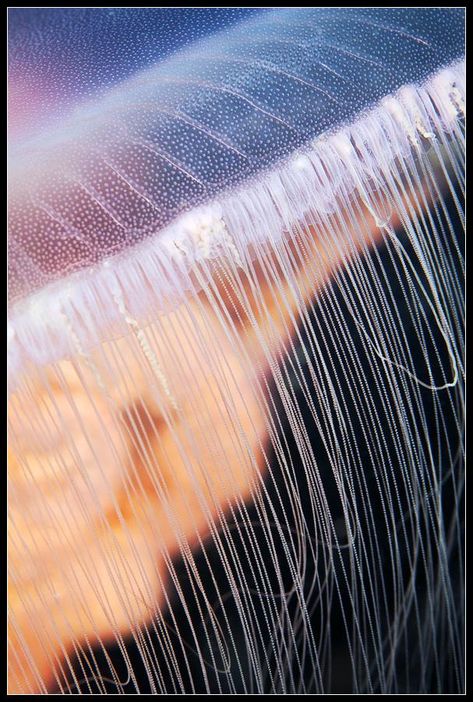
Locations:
(236, 345)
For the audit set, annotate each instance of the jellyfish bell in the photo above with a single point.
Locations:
(185, 249)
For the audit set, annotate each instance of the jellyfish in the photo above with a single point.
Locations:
(236, 350)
